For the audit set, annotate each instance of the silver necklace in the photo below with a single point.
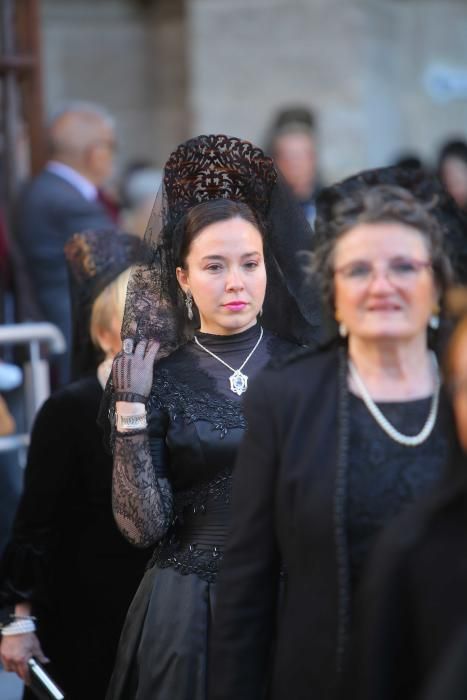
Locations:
(380, 418)
(238, 380)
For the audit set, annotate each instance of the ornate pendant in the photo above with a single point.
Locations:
(238, 382)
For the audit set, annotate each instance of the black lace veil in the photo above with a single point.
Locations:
(214, 167)
(425, 186)
(205, 168)
(94, 259)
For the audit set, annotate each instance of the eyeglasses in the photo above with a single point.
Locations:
(399, 271)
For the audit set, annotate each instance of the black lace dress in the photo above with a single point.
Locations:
(384, 476)
(195, 427)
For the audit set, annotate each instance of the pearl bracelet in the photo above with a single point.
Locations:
(131, 422)
(24, 626)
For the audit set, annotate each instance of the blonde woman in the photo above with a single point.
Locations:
(68, 574)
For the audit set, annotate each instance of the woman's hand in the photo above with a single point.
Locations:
(17, 649)
(132, 373)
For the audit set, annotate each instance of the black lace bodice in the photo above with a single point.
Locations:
(385, 476)
(195, 427)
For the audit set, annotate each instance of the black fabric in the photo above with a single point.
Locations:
(449, 680)
(382, 474)
(289, 509)
(199, 420)
(66, 554)
(412, 608)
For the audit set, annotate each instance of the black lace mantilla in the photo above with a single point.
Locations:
(217, 166)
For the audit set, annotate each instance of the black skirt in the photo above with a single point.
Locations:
(163, 648)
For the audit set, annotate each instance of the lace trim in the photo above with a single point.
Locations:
(203, 561)
(197, 497)
(192, 404)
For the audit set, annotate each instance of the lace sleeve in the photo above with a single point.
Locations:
(142, 498)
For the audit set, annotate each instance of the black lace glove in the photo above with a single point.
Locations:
(132, 373)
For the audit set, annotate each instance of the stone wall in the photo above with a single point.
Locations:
(129, 56)
(360, 63)
(173, 68)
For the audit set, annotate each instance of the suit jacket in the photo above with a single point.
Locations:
(50, 211)
(289, 510)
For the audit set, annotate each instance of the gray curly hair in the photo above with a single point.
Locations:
(379, 204)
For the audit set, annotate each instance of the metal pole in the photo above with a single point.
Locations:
(22, 333)
(36, 382)
(36, 372)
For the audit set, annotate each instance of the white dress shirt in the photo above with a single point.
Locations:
(78, 181)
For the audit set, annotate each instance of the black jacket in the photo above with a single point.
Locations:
(412, 620)
(289, 510)
(66, 554)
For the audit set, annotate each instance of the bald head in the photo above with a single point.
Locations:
(77, 133)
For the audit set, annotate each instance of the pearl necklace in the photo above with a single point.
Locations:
(238, 380)
(384, 424)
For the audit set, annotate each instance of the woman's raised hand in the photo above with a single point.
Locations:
(132, 372)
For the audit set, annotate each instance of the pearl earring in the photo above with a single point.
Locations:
(434, 318)
(343, 330)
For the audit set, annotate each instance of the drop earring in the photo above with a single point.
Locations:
(434, 318)
(189, 304)
(343, 330)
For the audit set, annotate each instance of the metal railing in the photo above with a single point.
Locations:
(36, 382)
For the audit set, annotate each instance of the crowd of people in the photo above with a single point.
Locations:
(251, 480)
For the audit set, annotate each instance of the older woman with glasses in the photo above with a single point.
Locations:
(411, 637)
(339, 441)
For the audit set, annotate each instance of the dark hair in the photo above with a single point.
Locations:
(424, 186)
(453, 149)
(207, 213)
(296, 119)
(408, 160)
(380, 204)
(296, 114)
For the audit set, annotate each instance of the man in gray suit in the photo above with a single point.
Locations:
(63, 200)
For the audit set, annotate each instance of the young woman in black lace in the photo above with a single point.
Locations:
(339, 441)
(201, 321)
